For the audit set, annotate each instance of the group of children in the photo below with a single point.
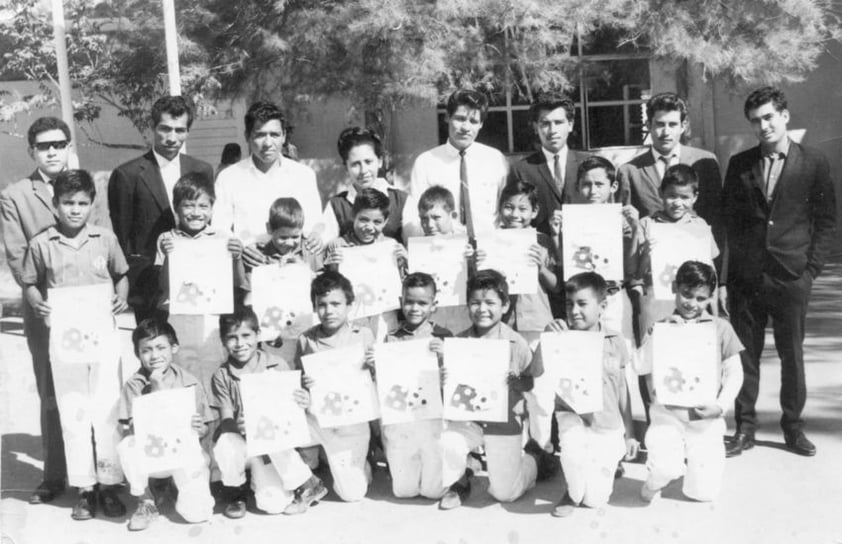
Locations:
(429, 458)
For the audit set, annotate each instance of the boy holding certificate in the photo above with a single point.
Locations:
(688, 440)
(413, 449)
(345, 446)
(511, 471)
(593, 443)
(73, 253)
(155, 344)
(281, 481)
(284, 243)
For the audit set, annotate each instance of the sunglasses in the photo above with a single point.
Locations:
(45, 146)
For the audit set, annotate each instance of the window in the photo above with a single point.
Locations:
(610, 92)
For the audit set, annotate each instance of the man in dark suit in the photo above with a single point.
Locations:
(640, 178)
(780, 216)
(27, 209)
(552, 169)
(140, 197)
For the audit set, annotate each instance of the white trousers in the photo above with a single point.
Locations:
(194, 503)
(511, 472)
(589, 459)
(670, 441)
(346, 449)
(88, 396)
(414, 453)
(273, 482)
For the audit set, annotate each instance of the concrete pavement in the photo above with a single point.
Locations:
(769, 495)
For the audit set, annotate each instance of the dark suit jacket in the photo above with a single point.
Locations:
(140, 210)
(639, 183)
(789, 235)
(534, 169)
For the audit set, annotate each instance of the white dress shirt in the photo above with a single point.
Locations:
(170, 172)
(562, 165)
(487, 172)
(244, 195)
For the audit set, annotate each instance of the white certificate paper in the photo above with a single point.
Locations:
(281, 299)
(372, 271)
(592, 240)
(407, 381)
(81, 325)
(201, 277)
(162, 428)
(343, 392)
(573, 364)
(274, 422)
(684, 363)
(672, 246)
(443, 257)
(507, 251)
(475, 387)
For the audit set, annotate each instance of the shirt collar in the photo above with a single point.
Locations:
(260, 363)
(162, 161)
(353, 241)
(781, 149)
(44, 177)
(423, 330)
(54, 234)
(676, 152)
(207, 231)
(550, 156)
(256, 171)
(378, 184)
(451, 149)
(704, 317)
(661, 217)
(171, 373)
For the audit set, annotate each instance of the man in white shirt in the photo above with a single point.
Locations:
(463, 165)
(246, 190)
(140, 197)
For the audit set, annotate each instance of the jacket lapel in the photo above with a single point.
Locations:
(792, 164)
(546, 175)
(151, 176)
(41, 191)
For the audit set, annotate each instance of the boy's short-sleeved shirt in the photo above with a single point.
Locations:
(314, 340)
(54, 260)
(520, 363)
(177, 233)
(428, 329)
(225, 382)
(174, 377)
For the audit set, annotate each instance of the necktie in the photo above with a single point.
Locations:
(559, 180)
(664, 163)
(465, 196)
(770, 173)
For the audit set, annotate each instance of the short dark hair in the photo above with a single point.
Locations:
(370, 199)
(489, 280)
(419, 279)
(152, 327)
(437, 194)
(666, 102)
(352, 137)
(73, 181)
(695, 274)
(680, 175)
(587, 280)
(43, 124)
(176, 106)
(286, 212)
(261, 113)
(549, 102)
(765, 95)
(239, 317)
(191, 186)
(593, 162)
(469, 98)
(328, 281)
(518, 188)
(231, 153)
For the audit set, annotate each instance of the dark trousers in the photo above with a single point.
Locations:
(38, 340)
(785, 302)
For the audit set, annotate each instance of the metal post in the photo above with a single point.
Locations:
(63, 70)
(172, 47)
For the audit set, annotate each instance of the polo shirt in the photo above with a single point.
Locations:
(174, 377)
(314, 340)
(427, 329)
(520, 362)
(54, 260)
(225, 382)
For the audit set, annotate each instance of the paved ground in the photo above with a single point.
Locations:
(769, 495)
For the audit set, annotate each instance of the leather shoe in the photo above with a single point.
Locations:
(798, 443)
(738, 444)
(46, 492)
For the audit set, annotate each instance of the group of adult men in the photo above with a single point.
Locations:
(775, 216)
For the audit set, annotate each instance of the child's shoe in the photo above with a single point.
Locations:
(307, 494)
(546, 462)
(86, 507)
(145, 514)
(236, 499)
(458, 493)
(647, 493)
(111, 504)
(565, 507)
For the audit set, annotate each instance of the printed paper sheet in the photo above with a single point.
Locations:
(592, 240)
(443, 257)
(573, 364)
(201, 277)
(672, 246)
(375, 277)
(162, 428)
(408, 381)
(343, 392)
(507, 251)
(81, 325)
(684, 363)
(475, 387)
(274, 422)
(281, 299)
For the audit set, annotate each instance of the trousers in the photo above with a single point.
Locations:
(589, 458)
(415, 459)
(346, 449)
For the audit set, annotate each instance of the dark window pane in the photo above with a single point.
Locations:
(525, 138)
(442, 127)
(614, 125)
(617, 79)
(495, 131)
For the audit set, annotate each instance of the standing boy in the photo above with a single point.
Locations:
(780, 217)
(140, 197)
(155, 344)
(693, 436)
(73, 253)
(27, 209)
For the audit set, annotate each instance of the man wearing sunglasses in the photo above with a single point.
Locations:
(26, 208)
